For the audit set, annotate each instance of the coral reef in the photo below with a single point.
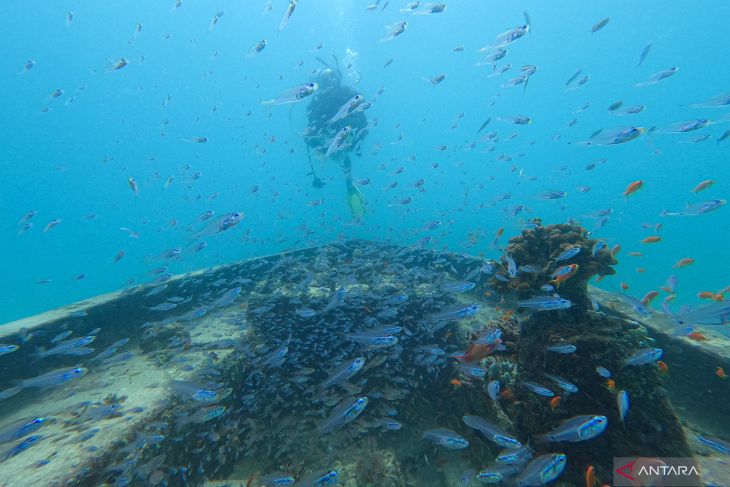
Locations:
(378, 468)
(651, 428)
(537, 252)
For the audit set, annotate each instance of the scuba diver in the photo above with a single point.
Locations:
(336, 126)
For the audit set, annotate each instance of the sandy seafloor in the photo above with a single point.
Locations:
(142, 381)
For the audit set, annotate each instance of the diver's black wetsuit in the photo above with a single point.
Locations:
(322, 108)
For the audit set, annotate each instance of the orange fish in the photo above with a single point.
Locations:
(684, 262)
(507, 394)
(649, 297)
(615, 250)
(563, 273)
(478, 351)
(456, 383)
(624, 286)
(697, 336)
(720, 372)
(636, 254)
(710, 295)
(640, 270)
(611, 384)
(554, 402)
(703, 185)
(652, 239)
(591, 476)
(663, 367)
(633, 188)
(500, 232)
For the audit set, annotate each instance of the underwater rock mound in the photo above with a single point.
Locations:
(582, 357)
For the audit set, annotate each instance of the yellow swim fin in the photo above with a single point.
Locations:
(356, 201)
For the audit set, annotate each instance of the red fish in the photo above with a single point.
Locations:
(478, 351)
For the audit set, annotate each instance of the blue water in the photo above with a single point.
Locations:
(71, 156)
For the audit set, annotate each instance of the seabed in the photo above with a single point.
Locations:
(121, 424)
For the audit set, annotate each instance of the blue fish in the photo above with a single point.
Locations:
(697, 209)
(568, 253)
(276, 479)
(562, 383)
(276, 358)
(716, 444)
(497, 474)
(373, 340)
(6, 349)
(389, 424)
(603, 372)
(344, 413)
(597, 247)
(65, 347)
(446, 437)
(344, 372)
(545, 303)
(21, 428)
(459, 287)
(305, 312)
(622, 402)
(397, 299)
(511, 266)
(578, 428)
(320, 478)
(561, 348)
(493, 389)
(163, 307)
(228, 297)
(489, 337)
(457, 312)
(21, 446)
(644, 356)
(514, 456)
(542, 470)
(49, 379)
(472, 371)
(200, 393)
(60, 336)
(537, 388)
(491, 431)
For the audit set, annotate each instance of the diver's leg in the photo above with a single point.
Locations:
(316, 182)
(347, 170)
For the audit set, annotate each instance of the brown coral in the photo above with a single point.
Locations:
(535, 251)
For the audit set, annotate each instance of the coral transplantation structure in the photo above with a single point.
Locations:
(586, 348)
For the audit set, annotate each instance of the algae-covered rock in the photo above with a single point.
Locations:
(651, 427)
(539, 252)
(374, 468)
